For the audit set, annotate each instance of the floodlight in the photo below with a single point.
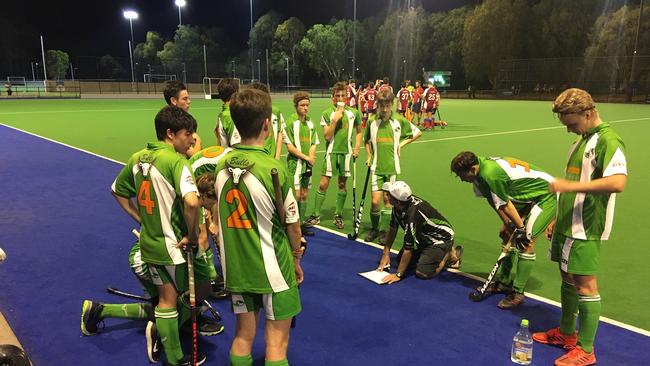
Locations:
(180, 3)
(130, 14)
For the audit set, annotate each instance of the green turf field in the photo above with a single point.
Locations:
(526, 130)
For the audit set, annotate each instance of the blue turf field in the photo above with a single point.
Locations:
(67, 240)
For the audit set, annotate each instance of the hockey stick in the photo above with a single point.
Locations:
(479, 294)
(354, 186)
(357, 220)
(190, 280)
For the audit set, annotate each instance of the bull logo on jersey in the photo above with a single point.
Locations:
(238, 167)
(292, 209)
(590, 153)
(397, 129)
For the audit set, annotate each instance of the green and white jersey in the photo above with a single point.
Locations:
(255, 251)
(384, 138)
(341, 142)
(277, 121)
(205, 161)
(302, 135)
(228, 134)
(508, 179)
(159, 178)
(598, 154)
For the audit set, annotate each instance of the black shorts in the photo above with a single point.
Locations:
(416, 107)
(372, 111)
(427, 259)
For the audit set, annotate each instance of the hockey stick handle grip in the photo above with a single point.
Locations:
(279, 202)
(136, 233)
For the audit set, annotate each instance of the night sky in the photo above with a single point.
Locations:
(96, 28)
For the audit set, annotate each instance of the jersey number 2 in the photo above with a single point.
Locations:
(144, 197)
(235, 221)
(514, 162)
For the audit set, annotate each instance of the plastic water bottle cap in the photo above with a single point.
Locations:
(524, 322)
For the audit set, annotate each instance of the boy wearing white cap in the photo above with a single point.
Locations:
(428, 236)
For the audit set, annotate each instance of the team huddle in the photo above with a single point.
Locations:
(253, 203)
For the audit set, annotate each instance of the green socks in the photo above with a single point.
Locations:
(209, 257)
(167, 325)
(320, 198)
(569, 299)
(384, 219)
(241, 360)
(589, 313)
(374, 219)
(302, 205)
(525, 265)
(506, 273)
(139, 311)
(340, 202)
(276, 363)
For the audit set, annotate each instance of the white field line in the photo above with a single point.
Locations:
(374, 245)
(94, 110)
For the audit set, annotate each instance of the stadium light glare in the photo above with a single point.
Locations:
(130, 14)
(180, 3)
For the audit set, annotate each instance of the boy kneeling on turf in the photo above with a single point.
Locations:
(260, 257)
(428, 236)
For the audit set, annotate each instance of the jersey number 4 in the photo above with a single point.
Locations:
(235, 220)
(144, 197)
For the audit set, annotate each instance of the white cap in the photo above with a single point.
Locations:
(399, 190)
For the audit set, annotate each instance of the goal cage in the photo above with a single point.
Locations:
(210, 87)
(158, 78)
(21, 84)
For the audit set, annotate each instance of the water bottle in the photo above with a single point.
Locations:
(522, 345)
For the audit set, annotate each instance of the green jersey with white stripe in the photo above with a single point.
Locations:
(228, 134)
(301, 135)
(255, 251)
(205, 161)
(384, 138)
(598, 154)
(159, 177)
(508, 179)
(341, 142)
(277, 121)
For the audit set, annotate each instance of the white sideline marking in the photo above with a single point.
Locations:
(374, 245)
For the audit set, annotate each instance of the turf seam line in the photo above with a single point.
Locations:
(377, 246)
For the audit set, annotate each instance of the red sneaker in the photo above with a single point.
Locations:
(576, 357)
(556, 338)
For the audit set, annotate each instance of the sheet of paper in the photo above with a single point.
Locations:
(375, 276)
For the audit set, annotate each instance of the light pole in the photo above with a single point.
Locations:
(268, 85)
(184, 74)
(180, 4)
(404, 62)
(354, 39)
(287, 59)
(630, 84)
(252, 69)
(259, 70)
(130, 15)
(33, 77)
(233, 69)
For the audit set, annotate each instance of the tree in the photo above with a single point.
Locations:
(185, 52)
(57, 63)
(613, 37)
(325, 48)
(262, 34)
(285, 44)
(147, 52)
(495, 30)
(110, 68)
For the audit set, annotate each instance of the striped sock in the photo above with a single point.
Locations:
(138, 311)
(320, 198)
(384, 218)
(374, 219)
(167, 325)
(276, 363)
(340, 202)
(589, 308)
